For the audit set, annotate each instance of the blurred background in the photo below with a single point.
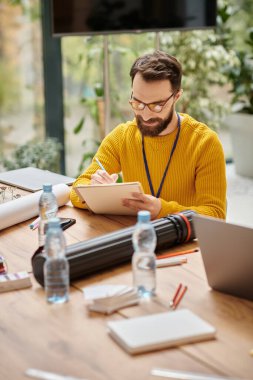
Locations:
(217, 64)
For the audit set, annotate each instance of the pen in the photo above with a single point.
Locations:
(170, 261)
(35, 223)
(182, 375)
(178, 296)
(99, 163)
(39, 374)
(171, 254)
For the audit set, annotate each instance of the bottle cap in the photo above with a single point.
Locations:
(47, 187)
(143, 216)
(54, 222)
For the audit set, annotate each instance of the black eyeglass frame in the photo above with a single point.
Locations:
(162, 104)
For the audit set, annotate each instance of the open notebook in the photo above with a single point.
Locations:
(157, 331)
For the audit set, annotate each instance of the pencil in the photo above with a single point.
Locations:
(180, 297)
(170, 261)
(35, 223)
(176, 294)
(171, 254)
(99, 163)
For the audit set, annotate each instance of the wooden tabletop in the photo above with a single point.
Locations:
(68, 340)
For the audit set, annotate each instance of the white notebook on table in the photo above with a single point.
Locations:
(157, 331)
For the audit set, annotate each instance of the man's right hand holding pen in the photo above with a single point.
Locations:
(101, 176)
(137, 202)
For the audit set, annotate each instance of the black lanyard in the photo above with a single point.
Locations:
(168, 164)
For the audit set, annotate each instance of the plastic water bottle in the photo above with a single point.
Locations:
(56, 266)
(144, 259)
(48, 208)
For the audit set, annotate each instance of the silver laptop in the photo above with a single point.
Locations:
(32, 179)
(227, 252)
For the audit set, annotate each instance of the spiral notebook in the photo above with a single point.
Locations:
(157, 331)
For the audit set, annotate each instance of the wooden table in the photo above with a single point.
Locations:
(69, 340)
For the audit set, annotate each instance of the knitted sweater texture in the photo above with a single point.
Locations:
(196, 179)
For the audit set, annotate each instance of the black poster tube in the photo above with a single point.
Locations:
(116, 248)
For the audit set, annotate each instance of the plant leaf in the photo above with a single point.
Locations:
(79, 126)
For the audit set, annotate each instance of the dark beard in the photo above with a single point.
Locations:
(153, 131)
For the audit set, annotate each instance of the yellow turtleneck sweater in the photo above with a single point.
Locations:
(196, 179)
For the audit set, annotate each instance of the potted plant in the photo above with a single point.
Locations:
(41, 154)
(240, 121)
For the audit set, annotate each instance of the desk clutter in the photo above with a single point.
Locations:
(115, 248)
(111, 336)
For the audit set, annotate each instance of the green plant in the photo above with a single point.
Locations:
(202, 58)
(205, 55)
(9, 90)
(84, 68)
(42, 155)
(93, 105)
(87, 155)
(241, 78)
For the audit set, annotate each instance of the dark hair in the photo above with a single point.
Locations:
(158, 66)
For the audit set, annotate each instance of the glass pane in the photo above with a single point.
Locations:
(21, 82)
(83, 72)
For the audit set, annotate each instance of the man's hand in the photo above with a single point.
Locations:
(144, 202)
(101, 176)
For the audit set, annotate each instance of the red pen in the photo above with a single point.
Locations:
(178, 296)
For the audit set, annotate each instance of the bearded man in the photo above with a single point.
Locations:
(178, 160)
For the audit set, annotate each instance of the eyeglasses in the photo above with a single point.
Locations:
(153, 107)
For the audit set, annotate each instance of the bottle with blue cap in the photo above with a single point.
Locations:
(56, 266)
(144, 259)
(48, 208)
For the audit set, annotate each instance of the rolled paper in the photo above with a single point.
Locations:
(27, 207)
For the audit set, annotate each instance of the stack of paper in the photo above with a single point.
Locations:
(109, 298)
